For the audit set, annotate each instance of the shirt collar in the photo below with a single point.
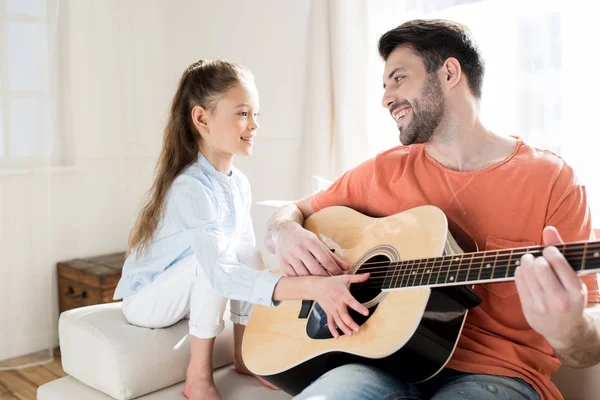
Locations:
(211, 171)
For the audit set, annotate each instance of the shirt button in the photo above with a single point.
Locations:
(260, 300)
(492, 388)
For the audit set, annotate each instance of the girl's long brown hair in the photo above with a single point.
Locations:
(201, 84)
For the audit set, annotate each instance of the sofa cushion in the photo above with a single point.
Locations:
(102, 350)
(231, 386)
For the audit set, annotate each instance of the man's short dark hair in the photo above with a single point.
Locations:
(435, 40)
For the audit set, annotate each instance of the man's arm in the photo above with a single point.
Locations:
(299, 251)
(554, 304)
(293, 213)
(584, 351)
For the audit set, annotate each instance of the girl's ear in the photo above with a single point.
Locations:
(199, 118)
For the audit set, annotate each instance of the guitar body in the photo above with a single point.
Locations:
(410, 333)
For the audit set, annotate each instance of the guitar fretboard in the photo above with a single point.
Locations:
(482, 267)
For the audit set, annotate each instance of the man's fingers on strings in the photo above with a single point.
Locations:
(547, 278)
(563, 270)
(522, 288)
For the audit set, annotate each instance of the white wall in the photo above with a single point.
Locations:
(120, 63)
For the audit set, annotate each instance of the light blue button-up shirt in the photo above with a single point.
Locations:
(206, 213)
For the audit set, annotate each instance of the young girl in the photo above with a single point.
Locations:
(192, 247)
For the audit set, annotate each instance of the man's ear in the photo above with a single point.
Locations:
(451, 72)
(199, 118)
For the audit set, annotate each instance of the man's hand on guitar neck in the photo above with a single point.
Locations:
(299, 252)
(554, 304)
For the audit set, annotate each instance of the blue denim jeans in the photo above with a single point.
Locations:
(361, 382)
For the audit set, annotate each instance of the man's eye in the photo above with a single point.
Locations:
(397, 78)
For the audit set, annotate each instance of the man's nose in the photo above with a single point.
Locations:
(388, 99)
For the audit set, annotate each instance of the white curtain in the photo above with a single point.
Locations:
(336, 123)
(28, 150)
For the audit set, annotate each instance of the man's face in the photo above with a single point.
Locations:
(413, 97)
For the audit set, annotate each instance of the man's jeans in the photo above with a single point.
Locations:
(361, 382)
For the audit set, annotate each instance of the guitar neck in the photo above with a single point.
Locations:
(482, 267)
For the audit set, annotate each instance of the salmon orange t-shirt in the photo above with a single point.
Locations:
(505, 205)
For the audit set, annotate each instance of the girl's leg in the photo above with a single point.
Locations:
(166, 300)
(180, 292)
(206, 322)
(238, 362)
(240, 311)
(199, 383)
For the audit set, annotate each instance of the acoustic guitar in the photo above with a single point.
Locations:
(418, 296)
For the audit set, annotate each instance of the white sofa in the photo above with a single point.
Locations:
(107, 358)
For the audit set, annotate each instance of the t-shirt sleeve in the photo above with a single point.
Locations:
(569, 212)
(350, 190)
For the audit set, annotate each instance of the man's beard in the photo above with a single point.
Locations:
(427, 113)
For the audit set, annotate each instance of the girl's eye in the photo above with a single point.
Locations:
(244, 113)
(256, 115)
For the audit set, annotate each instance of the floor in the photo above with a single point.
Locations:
(22, 384)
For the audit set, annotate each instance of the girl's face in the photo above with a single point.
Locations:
(232, 124)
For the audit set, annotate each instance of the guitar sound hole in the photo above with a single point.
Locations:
(316, 325)
(367, 291)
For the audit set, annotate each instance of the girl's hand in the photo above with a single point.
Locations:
(333, 295)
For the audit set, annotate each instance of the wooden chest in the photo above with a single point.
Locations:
(87, 281)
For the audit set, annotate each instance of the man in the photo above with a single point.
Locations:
(499, 190)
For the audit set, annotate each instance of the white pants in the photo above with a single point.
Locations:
(183, 291)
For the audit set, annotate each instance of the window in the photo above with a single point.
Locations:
(26, 108)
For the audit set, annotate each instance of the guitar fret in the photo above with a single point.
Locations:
(447, 268)
(461, 274)
(389, 275)
(495, 264)
(404, 274)
(411, 274)
(421, 270)
(472, 273)
(469, 266)
(437, 269)
(481, 267)
(401, 274)
(485, 271)
(394, 277)
(508, 263)
(429, 271)
(501, 270)
(451, 275)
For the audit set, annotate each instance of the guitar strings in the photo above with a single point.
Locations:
(376, 279)
(449, 259)
(386, 266)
